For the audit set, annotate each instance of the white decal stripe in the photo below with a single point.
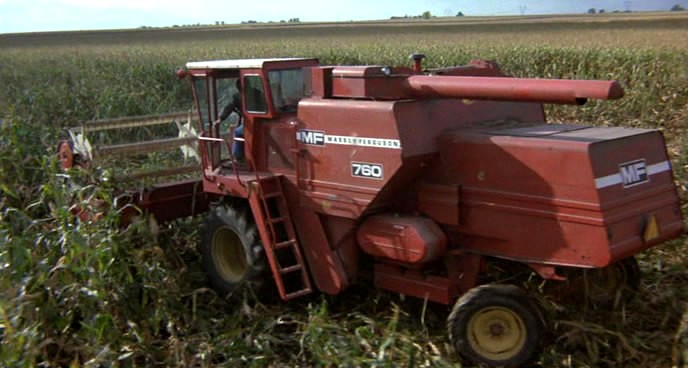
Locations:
(363, 141)
(658, 168)
(609, 180)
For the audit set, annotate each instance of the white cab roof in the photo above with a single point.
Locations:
(235, 64)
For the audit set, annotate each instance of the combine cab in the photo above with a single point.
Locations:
(325, 175)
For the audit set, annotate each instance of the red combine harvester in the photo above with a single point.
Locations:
(416, 178)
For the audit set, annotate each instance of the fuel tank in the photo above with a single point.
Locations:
(555, 194)
(406, 239)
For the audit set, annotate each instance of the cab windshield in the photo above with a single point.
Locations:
(287, 86)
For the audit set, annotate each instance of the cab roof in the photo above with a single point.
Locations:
(238, 63)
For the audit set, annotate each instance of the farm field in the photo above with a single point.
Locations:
(90, 294)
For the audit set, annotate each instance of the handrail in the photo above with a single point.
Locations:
(204, 155)
(296, 151)
(229, 145)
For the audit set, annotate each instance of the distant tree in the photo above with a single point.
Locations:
(426, 15)
(678, 7)
(600, 11)
(592, 11)
(459, 14)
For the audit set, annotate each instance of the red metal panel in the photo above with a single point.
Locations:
(325, 169)
(420, 123)
(434, 288)
(348, 133)
(325, 265)
(320, 82)
(627, 204)
(174, 200)
(441, 202)
(341, 236)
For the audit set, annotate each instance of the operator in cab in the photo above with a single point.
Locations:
(234, 105)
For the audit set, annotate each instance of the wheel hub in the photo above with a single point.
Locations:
(497, 329)
(497, 333)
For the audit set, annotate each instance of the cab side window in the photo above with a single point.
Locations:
(287, 87)
(202, 95)
(255, 94)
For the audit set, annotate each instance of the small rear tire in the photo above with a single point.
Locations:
(619, 281)
(496, 325)
(232, 255)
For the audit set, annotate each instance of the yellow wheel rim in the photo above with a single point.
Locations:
(496, 333)
(228, 255)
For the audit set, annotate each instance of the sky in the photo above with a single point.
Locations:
(59, 15)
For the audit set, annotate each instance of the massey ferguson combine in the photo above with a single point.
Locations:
(415, 179)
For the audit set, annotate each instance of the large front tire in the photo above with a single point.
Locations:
(496, 325)
(232, 255)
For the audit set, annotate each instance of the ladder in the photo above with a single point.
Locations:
(277, 232)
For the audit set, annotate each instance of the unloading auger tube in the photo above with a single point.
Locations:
(555, 91)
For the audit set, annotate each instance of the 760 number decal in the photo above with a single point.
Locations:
(367, 170)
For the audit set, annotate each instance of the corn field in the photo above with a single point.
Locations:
(92, 294)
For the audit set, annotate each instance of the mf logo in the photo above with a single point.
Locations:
(312, 137)
(633, 173)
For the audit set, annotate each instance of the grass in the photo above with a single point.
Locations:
(90, 294)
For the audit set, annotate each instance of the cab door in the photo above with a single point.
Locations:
(275, 121)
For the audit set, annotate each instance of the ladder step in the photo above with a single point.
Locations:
(299, 293)
(290, 269)
(280, 234)
(278, 219)
(285, 244)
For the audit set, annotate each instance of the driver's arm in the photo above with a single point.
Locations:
(225, 112)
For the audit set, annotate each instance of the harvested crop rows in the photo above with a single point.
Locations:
(89, 293)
